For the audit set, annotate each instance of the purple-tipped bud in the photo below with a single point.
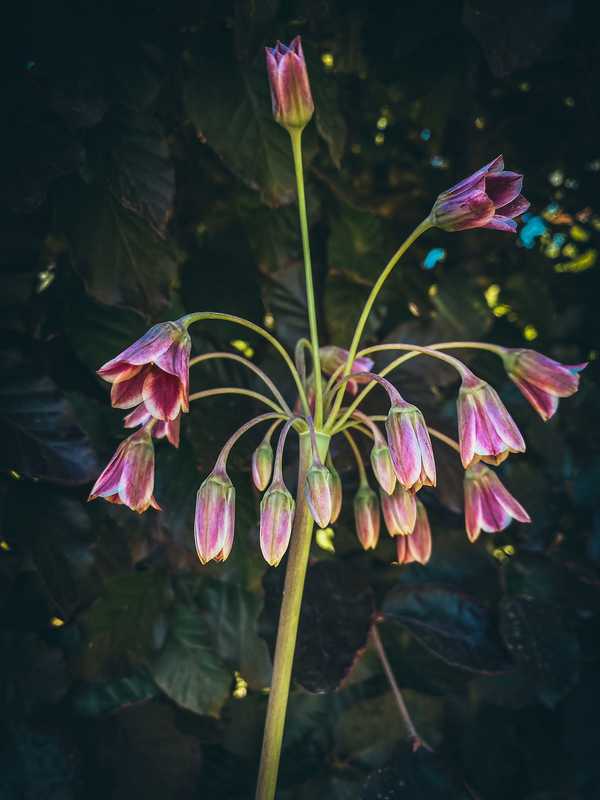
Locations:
(410, 446)
(318, 491)
(262, 465)
(153, 371)
(489, 506)
(337, 493)
(486, 430)
(276, 519)
(383, 468)
(169, 429)
(128, 478)
(367, 517)
(214, 522)
(291, 97)
(399, 511)
(541, 379)
(334, 358)
(490, 198)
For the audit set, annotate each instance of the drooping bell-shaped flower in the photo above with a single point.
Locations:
(334, 358)
(262, 465)
(128, 477)
(169, 428)
(291, 97)
(367, 517)
(276, 520)
(399, 511)
(540, 379)
(337, 492)
(490, 198)
(417, 545)
(383, 468)
(486, 430)
(410, 445)
(319, 495)
(154, 371)
(214, 521)
(489, 506)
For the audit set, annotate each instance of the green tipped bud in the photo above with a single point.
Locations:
(383, 468)
(367, 517)
(262, 465)
(319, 494)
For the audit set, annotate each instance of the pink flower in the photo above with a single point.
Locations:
(129, 476)
(367, 517)
(489, 506)
(154, 370)
(410, 445)
(291, 97)
(161, 429)
(541, 379)
(262, 465)
(334, 358)
(486, 430)
(490, 198)
(214, 521)
(399, 511)
(276, 520)
(417, 545)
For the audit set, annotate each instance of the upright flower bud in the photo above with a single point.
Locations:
(489, 506)
(337, 492)
(262, 465)
(276, 519)
(367, 517)
(214, 521)
(383, 468)
(410, 446)
(334, 358)
(128, 477)
(490, 198)
(540, 379)
(399, 511)
(154, 370)
(291, 97)
(318, 492)
(486, 431)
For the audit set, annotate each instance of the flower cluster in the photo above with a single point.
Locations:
(151, 377)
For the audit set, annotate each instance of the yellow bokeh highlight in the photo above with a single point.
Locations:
(243, 347)
(56, 622)
(502, 310)
(491, 295)
(328, 60)
(240, 690)
(530, 332)
(324, 539)
(4, 545)
(585, 261)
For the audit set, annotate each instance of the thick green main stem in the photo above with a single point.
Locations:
(288, 628)
(296, 138)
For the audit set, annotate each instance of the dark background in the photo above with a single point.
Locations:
(143, 177)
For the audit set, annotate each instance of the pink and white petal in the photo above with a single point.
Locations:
(161, 394)
(139, 416)
(151, 345)
(427, 458)
(472, 510)
(510, 504)
(173, 430)
(117, 370)
(407, 462)
(154, 504)
(503, 187)
(515, 208)
(126, 394)
(494, 516)
(136, 486)
(467, 427)
(496, 165)
(545, 404)
(504, 424)
(500, 223)
(108, 481)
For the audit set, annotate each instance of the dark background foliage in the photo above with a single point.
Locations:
(143, 177)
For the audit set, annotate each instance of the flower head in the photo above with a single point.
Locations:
(489, 506)
(486, 430)
(262, 465)
(410, 446)
(128, 477)
(291, 97)
(214, 521)
(318, 491)
(334, 358)
(541, 379)
(168, 428)
(417, 545)
(399, 511)
(154, 371)
(367, 517)
(490, 198)
(276, 519)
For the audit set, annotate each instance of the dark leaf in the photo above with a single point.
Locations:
(414, 776)
(92, 700)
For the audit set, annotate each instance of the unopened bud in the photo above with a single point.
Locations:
(318, 491)
(336, 493)
(262, 465)
(399, 511)
(367, 517)
(276, 519)
(214, 521)
(383, 468)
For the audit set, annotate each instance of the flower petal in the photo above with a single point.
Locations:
(503, 187)
(500, 223)
(162, 394)
(128, 393)
(515, 208)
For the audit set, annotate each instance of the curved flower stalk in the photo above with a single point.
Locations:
(151, 378)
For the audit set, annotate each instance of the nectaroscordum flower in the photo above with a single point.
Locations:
(490, 198)
(128, 477)
(318, 493)
(367, 517)
(383, 468)
(337, 492)
(276, 520)
(291, 97)
(399, 511)
(541, 379)
(168, 428)
(214, 521)
(154, 370)
(486, 431)
(334, 358)
(489, 506)
(410, 445)
(417, 545)
(262, 465)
